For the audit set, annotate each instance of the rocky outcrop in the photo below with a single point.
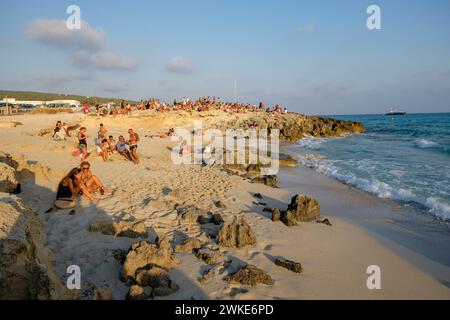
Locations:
(292, 126)
(303, 208)
(26, 265)
(129, 229)
(237, 234)
(8, 181)
(145, 269)
(144, 255)
(250, 275)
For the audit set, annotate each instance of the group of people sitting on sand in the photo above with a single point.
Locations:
(106, 145)
(186, 104)
(79, 181)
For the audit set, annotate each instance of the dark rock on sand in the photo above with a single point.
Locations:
(258, 195)
(238, 234)
(158, 279)
(325, 222)
(268, 180)
(144, 255)
(303, 208)
(235, 291)
(208, 256)
(250, 275)
(288, 264)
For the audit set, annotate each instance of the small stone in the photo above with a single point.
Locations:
(289, 264)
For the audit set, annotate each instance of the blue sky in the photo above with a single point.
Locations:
(315, 57)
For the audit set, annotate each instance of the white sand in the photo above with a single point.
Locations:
(334, 259)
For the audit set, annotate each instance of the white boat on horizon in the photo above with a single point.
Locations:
(394, 112)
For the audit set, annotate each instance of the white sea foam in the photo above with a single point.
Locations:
(379, 188)
(438, 208)
(311, 143)
(424, 143)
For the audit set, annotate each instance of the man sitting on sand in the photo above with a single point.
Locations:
(121, 147)
(88, 182)
(134, 138)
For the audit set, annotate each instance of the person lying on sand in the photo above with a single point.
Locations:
(134, 138)
(88, 182)
(103, 150)
(162, 135)
(68, 187)
(122, 149)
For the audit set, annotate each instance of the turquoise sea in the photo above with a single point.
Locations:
(403, 158)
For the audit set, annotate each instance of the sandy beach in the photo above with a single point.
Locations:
(334, 259)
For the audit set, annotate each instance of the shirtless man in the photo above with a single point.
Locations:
(102, 132)
(134, 138)
(89, 183)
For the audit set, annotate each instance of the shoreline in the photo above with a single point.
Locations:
(410, 233)
(334, 259)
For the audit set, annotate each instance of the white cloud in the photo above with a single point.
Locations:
(308, 28)
(106, 60)
(56, 33)
(179, 65)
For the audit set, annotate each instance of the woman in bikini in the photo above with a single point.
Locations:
(134, 138)
(88, 182)
(68, 187)
(82, 144)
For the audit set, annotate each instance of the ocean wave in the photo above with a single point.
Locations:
(439, 208)
(424, 143)
(311, 143)
(378, 188)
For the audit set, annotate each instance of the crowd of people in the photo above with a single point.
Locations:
(81, 181)
(186, 104)
(106, 145)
